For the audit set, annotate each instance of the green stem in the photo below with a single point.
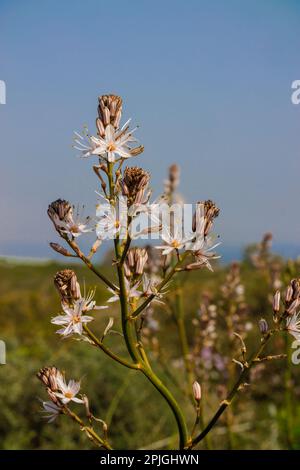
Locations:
(168, 277)
(129, 332)
(88, 429)
(90, 265)
(179, 317)
(107, 351)
(233, 391)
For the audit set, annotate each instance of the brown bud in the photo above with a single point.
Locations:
(209, 211)
(109, 111)
(174, 175)
(59, 210)
(137, 151)
(67, 285)
(293, 306)
(48, 376)
(289, 294)
(134, 183)
(60, 249)
(135, 261)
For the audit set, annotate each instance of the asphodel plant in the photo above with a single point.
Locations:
(143, 280)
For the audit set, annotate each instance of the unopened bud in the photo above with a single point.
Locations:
(60, 249)
(294, 305)
(134, 183)
(48, 376)
(263, 326)
(289, 294)
(109, 110)
(197, 391)
(67, 285)
(276, 302)
(59, 211)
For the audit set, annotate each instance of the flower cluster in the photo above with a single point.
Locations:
(59, 391)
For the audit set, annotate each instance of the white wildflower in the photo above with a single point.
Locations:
(293, 325)
(113, 143)
(131, 292)
(51, 410)
(68, 392)
(74, 318)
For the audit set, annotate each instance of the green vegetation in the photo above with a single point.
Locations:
(266, 414)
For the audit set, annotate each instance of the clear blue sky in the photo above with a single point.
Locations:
(208, 81)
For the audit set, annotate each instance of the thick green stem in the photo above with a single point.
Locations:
(164, 391)
(133, 346)
(107, 351)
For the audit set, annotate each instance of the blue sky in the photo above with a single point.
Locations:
(209, 83)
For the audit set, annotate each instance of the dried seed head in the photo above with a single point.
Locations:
(197, 391)
(276, 302)
(59, 210)
(109, 111)
(135, 261)
(263, 326)
(60, 249)
(134, 183)
(48, 376)
(67, 285)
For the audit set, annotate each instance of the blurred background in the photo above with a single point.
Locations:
(209, 83)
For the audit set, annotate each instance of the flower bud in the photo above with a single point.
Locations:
(263, 326)
(197, 391)
(209, 211)
(109, 111)
(134, 183)
(294, 305)
(60, 249)
(67, 285)
(289, 294)
(59, 210)
(48, 376)
(276, 302)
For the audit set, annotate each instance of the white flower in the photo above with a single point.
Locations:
(146, 217)
(149, 287)
(202, 249)
(51, 409)
(68, 391)
(173, 241)
(131, 292)
(115, 142)
(110, 221)
(74, 318)
(74, 225)
(293, 325)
